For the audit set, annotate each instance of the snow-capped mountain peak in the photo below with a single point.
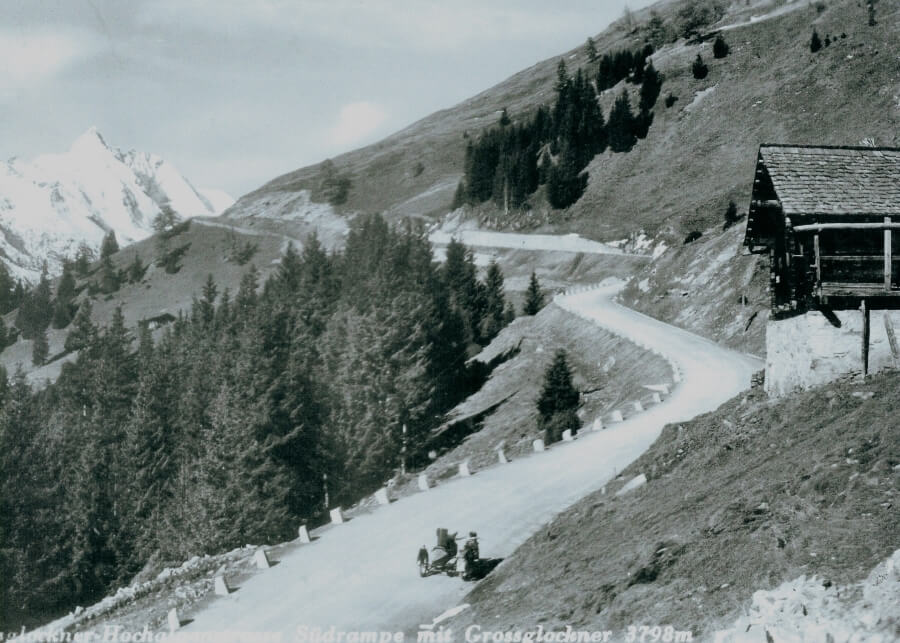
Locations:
(90, 143)
(51, 205)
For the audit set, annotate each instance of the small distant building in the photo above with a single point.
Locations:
(829, 220)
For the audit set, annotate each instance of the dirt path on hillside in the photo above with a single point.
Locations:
(362, 576)
(250, 231)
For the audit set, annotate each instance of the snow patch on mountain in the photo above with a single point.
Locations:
(53, 204)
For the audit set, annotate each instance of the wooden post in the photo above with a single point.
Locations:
(887, 256)
(892, 336)
(818, 260)
(865, 338)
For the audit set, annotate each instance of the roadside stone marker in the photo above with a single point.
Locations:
(638, 406)
(262, 559)
(423, 482)
(567, 436)
(634, 483)
(617, 416)
(221, 586)
(382, 496)
(656, 398)
(174, 621)
(597, 425)
(502, 457)
(538, 445)
(303, 533)
(337, 516)
(464, 469)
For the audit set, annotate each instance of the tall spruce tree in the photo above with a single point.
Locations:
(558, 401)
(590, 49)
(650, 88)
(621, 125)
(83, 333)
(534, 297)
(565, 182)
(65, 293)
(496, 308)
(110, 245)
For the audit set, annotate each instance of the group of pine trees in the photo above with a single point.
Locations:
(508, 162)
(38, 308)
(221, 430)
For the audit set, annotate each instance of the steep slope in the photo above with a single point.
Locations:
(699, 152)
(742, 499)
(708, 287)
(50, 206)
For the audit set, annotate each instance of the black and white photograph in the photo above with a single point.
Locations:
(450, 321)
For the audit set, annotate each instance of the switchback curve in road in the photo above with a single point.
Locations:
(361, 575)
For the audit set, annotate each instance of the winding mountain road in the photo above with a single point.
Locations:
(361, 576)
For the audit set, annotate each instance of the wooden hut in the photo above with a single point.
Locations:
(829, 219)
(826, 217)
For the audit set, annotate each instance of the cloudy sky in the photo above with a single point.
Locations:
(235, 92)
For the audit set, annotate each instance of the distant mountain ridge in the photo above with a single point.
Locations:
(53, 204)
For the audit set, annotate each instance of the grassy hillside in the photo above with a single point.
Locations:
(608, 371)
(744, 498)
(700, 151)
(209, 249)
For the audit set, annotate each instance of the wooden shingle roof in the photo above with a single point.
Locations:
(834, 180)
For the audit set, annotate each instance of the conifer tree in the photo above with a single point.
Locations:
(466, 294)
(109, 276)
(110, 245)
(699, 68)
(136, 269)
(650, 88)
(605, 74)
(40, 348)
(534, 297)
(7, 290)
(65, 292)
(620, 126)
(590, 49)
(565, 182)
(720, 47)
(208, 302)
(151, 445)
(495, 314)
(562, 77)
(558, 400)
(815, 43)
(246, 298)
(83, 333)
(83, 258)
(164, 224)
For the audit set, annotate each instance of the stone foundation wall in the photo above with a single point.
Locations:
(806, 351)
